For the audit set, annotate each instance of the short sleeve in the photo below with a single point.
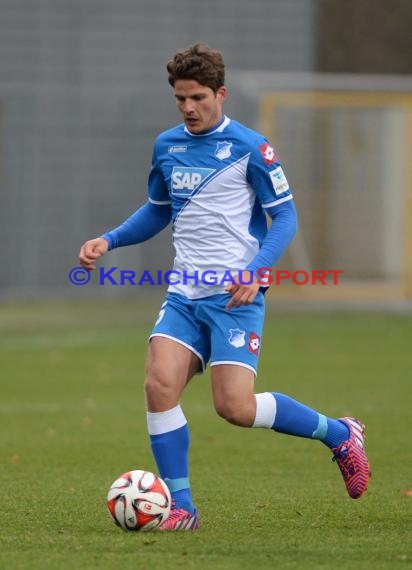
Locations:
(158, 192)
(266, 175)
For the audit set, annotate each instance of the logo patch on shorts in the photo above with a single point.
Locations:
(254, 343)
(237, 338)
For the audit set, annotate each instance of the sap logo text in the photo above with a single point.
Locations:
(186, 179)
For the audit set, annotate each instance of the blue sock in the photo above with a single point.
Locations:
(294, 418)
(170, 450)
(336, 433)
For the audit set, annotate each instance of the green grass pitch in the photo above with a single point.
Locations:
(72, 420)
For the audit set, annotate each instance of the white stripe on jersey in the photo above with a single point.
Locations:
(211, 233)
(158, 203)
(277, 202)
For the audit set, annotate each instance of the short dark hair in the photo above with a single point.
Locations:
(200, 63)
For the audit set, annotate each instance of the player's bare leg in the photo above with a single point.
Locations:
(169, 368)
(233, 393)
(234, 398)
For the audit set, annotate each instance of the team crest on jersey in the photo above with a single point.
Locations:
(270, 156)
(237, 338)
(254, 343)
(223, 150)
(186, 179)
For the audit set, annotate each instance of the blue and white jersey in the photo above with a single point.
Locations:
(219, 184)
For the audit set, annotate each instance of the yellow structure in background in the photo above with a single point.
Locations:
(275, 104)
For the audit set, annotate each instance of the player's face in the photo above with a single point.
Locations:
(200, 106)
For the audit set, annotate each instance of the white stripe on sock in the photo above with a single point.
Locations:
(163, 422)
(265, 410)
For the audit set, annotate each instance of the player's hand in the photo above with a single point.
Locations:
(91, 251)
(242, 294)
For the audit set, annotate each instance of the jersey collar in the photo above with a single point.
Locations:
(220, 127)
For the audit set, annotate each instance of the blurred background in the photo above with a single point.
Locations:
(84, 92)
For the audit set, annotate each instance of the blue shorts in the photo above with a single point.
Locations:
(212, 332)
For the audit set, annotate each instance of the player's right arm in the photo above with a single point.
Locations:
(91, 250)
(145, 223)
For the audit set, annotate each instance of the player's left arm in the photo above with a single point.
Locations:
(279, 236)
(277, 240)
(265, 175)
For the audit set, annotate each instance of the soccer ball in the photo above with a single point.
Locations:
(139, 500)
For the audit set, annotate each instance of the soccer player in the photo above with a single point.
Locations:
(216, 180)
